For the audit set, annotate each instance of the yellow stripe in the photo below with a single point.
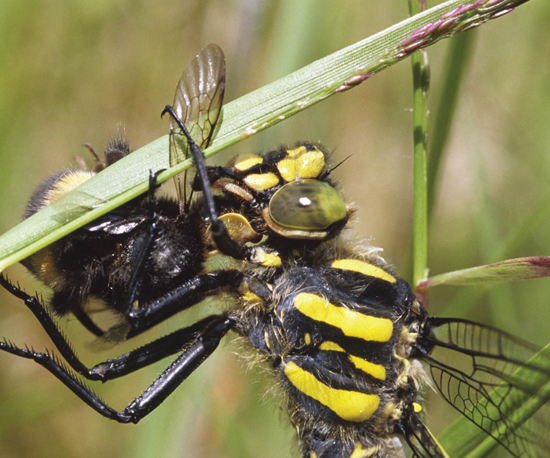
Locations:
(67, 184)
(363, 268)
(376, 370)
(348, 405)
(331, 346)
(352, 324)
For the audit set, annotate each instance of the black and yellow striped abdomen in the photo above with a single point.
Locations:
(333, 336)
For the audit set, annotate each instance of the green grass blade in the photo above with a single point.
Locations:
(421, 85)
(246, 116)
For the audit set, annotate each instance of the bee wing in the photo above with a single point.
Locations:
(115, 224)
(198, 100)
(112, 337)
(76, 204)
(490, 380)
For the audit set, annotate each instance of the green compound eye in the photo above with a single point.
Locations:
(309, 205)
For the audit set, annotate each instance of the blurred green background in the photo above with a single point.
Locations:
(71, 72)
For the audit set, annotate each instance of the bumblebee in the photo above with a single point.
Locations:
(98, 261)
(342, 334)
(132, 259)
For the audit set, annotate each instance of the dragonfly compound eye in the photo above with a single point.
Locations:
(307, 205)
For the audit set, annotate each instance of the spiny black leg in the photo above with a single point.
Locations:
(219, 233)
(64, 375)
(205, 342)
(181, 298)
(151, 352)
(51, 328)
(193, 356)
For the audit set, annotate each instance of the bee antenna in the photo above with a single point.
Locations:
(92, 150)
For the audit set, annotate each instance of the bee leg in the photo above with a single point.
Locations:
(146, 245)
(204, 342)
(87, 322)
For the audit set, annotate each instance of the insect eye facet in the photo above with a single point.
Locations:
(309, 205)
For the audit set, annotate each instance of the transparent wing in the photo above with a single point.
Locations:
(76, 204)
(198, 100)
(492, 378)
(420, 440)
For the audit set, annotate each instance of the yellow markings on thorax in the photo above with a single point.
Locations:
(243, 162)
(67, 183)
(261, 181)
(350, 322)
(364, 268)
(375, 370)
(348, 405)
(266, 258)
(301, 163)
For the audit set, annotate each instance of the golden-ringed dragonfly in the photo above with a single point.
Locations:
(342, 334)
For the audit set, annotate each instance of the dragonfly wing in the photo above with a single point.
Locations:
(488, 376)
